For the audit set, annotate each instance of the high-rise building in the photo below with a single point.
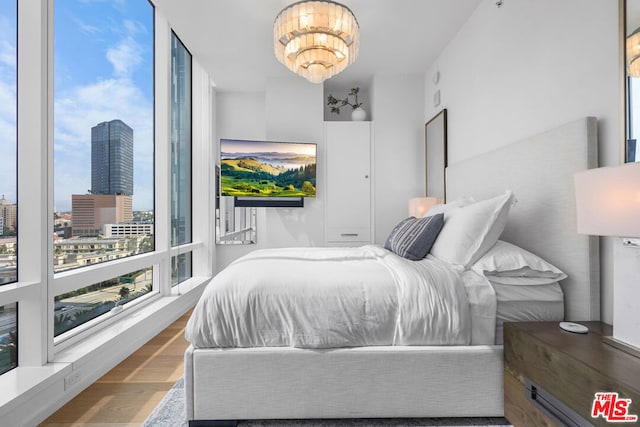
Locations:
(92, 211)
(112, 158)
(8, 213)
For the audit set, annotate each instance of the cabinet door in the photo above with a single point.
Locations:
(348, 153)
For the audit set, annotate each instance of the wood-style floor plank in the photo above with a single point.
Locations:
(126, 395)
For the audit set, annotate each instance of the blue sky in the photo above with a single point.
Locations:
(103, 70)
(242, 146)
(8, 99)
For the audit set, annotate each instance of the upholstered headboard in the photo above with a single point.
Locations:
(539, 170)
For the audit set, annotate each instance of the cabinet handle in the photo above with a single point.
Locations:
(552, 407)
(349, 234)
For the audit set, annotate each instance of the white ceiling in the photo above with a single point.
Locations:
(233, 39)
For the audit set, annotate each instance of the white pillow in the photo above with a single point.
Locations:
(511, 265)
(458, 203)
(471, 230)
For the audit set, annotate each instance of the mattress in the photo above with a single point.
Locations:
(521, 303)
(342, 297)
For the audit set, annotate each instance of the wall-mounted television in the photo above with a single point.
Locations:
(267, 173)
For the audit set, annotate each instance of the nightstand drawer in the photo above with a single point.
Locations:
(517, 409)
(568, 367)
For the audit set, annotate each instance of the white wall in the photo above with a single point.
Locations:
(295, 113)
(397, 105)
(524, 68)
(290, 109)
(239, 115)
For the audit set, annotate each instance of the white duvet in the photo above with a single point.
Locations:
(332, 297)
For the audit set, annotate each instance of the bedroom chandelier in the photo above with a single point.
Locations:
(316, 39)
(633, 54)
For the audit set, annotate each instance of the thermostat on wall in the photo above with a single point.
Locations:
(574, 327)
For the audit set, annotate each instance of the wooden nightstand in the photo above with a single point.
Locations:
(564, 369)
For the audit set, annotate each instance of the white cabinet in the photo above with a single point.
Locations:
(348, 210)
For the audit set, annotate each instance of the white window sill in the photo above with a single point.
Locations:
(28, 395)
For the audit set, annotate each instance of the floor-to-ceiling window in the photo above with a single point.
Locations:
(633, 120)
(103, 154)
(8, 180)
(86, 83)
(180, 159)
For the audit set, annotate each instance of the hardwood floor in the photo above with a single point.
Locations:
(127, 394)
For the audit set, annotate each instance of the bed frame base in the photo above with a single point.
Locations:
(360, 382)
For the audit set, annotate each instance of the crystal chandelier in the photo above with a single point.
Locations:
(633, 54)
(316, 38)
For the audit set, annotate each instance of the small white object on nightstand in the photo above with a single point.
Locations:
(574, 327)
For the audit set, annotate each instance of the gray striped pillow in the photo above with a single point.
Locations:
(412, 238)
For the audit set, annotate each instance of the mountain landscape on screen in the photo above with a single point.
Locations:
(267, 169)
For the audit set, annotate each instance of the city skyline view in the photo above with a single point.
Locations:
(103, 60)
(103, 70)
(94, 176)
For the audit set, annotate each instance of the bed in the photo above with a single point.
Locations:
(380, 381)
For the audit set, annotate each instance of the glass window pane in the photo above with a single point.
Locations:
(8, 142)
(180, 268)
(103, 131)
(180, 143)
(74, 308)
(8, 337)
(633, 120)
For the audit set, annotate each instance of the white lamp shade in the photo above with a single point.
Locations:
(420, 205)
(608, 201)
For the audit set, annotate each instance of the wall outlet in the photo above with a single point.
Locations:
(71, 380)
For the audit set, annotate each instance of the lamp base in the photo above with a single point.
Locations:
(621, 345)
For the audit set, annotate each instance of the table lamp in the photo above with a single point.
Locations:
(608, 204)
(419, 206)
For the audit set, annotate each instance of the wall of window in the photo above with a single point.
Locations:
(8, 337)
(103, 128)
(181, 128)
(103, 138)
(8, 179)
(8, 138)
(633, 120)
(75, 308)
(72, 297)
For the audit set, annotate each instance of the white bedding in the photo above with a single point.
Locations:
(337, 297)
(527, 303)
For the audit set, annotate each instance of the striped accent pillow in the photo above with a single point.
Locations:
(412, 238)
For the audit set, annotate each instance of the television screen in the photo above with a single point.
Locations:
(267, 169)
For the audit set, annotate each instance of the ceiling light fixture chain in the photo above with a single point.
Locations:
(316, 39)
